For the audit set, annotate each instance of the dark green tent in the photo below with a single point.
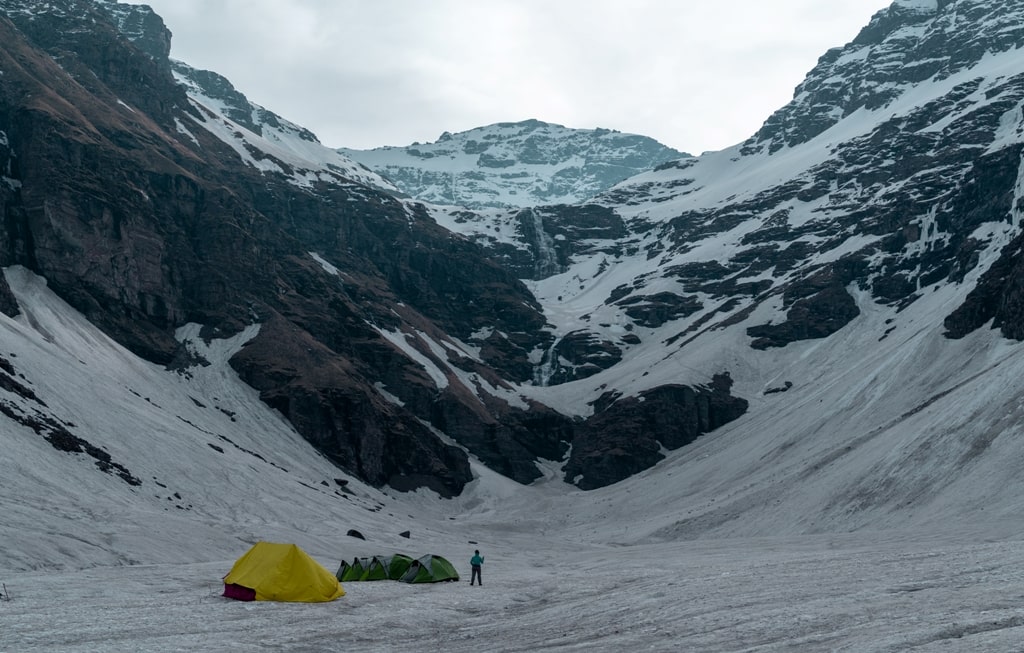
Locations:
(377, 569)
(354, 570)
(430, 569)
(342, 569)
(398, 565)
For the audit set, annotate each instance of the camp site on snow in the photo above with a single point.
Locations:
(272, 571)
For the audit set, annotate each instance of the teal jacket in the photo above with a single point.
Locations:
(476, 561)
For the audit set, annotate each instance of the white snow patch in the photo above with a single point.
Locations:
(400, 340)
(325, 264)
(380, 387)
(182, 129)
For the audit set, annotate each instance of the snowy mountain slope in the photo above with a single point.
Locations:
(200, 454)
(263, 139)
(515, 164)
(609, 569)
(728, 262)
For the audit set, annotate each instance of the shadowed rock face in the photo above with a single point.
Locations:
(998, 297)
(625, 436)
(144, 230)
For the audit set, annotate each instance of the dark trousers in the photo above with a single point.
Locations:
(475, 576)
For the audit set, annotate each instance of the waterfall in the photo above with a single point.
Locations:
(548, 365)
(547, 258)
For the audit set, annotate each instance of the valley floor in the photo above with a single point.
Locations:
(858, 592)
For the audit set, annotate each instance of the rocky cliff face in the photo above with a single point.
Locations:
(516, 164)
(145, 211)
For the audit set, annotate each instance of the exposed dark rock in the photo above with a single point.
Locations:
(998, 297)
(510, 442)
(328, 403)
(577, 355)
(8, 304)
(657, 309)
(785, 387)
(817, 316)
(818, 307)
(625, 436)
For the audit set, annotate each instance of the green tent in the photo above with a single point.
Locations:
(354, 570)
(342, 570)
(398, 565)
(430, 569)
(377, 569)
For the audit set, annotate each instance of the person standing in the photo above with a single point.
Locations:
(476, 562)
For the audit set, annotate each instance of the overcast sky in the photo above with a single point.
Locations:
(695, 74)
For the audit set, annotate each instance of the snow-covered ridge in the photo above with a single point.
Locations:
(261, 138)
(518, 164)
(266, 141)
(908, 43)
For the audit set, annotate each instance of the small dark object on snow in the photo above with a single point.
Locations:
(354, 533)
(404, 534)
(341, 481)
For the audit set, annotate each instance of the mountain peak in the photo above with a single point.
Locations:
(516, 164)
(908, 43)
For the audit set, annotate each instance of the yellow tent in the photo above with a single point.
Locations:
(280, 572)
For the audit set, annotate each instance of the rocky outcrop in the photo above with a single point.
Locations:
(328, 402)
(997, 298)
(626, 435)
(817, 307)
(907, 43)
(576, 355)
(509, 440)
